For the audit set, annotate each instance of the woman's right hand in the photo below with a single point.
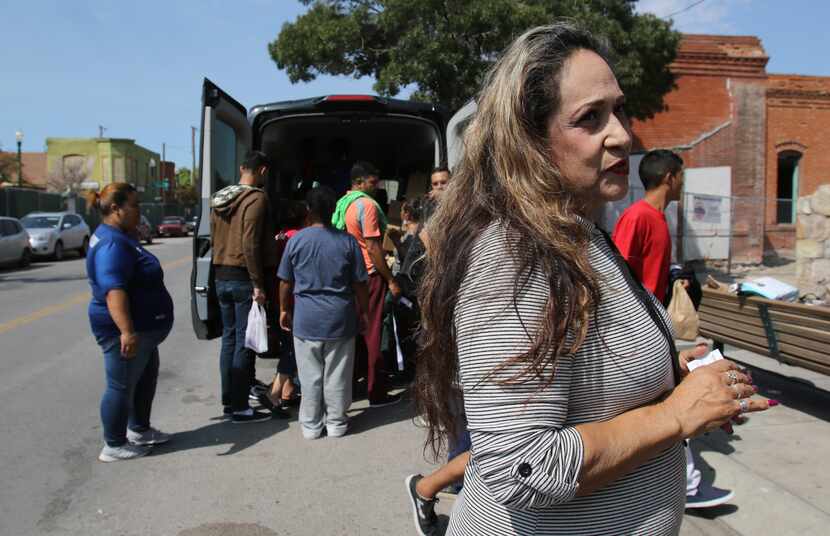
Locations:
(708, 397)
(129, 345)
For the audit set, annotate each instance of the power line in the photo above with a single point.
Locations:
(685, 9)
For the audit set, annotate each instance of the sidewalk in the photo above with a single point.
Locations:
(775, 462)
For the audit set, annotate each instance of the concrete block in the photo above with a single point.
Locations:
(820, 200)
(801, 227)
(802, 269)
(804, 205)
(820, 271)
(813, 226)
(809, 249)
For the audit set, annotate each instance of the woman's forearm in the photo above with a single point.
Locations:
(118, 304)
(615, 447)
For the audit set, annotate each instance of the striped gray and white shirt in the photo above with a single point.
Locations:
(523, 475)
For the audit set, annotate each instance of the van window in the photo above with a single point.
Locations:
(322, 148)
(228, 153)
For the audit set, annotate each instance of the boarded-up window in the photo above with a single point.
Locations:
(106, 169)
(119, 172)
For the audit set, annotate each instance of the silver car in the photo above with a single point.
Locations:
(14, 243)
(54, 233)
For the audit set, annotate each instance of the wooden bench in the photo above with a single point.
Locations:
(792, 333)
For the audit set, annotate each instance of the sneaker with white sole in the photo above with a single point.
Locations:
(150, 436)
(385, 400)
(423, 510)
(708, 496)
(127, 451)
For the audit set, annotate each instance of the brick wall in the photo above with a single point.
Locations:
(798, 110)
(716, 116)
(749, 170)
(698, 105)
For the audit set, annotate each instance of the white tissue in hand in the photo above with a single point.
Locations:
(713, 356)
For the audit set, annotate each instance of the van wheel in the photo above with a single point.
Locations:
(84, 247)
(58, 254)
(25, 259)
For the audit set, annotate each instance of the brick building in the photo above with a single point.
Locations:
(764, 131)
(34, 169)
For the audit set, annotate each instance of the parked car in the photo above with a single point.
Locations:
(145, 230)
(338, 129)
(173, 226)
(54, 233)
(193, 224)
(14, 243)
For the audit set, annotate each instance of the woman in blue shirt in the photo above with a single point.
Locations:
(130, 313)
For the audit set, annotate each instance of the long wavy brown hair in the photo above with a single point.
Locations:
(506, 174)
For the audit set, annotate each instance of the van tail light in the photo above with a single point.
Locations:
(352, 98)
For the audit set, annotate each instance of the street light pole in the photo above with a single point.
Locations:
(19, 136)
(152, 175)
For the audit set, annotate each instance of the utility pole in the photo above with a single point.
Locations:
(193, 155)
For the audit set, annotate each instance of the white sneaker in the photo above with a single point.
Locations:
(126, 451)
(150, 436)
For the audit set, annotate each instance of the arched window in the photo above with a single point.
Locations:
(787, 191)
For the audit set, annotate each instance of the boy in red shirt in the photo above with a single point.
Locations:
(642, 234)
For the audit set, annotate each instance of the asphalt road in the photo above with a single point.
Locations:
(215, 478)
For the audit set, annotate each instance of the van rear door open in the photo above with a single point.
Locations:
(225, 138)
(312, 139)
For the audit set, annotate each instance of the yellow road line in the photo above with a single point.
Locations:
(75, 299)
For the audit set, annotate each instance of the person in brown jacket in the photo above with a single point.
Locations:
(244, 266)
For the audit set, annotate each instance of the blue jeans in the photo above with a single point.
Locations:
(131, 385)
(236, 363)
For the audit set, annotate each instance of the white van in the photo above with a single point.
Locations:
(311, 140)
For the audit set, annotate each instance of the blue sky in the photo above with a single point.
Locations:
(137, 67)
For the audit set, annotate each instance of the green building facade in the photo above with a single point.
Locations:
(100, 161)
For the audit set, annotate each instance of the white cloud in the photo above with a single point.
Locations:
(708, 17)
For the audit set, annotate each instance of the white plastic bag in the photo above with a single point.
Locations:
(256, 334)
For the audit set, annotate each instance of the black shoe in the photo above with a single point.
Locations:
(386, 400)
(288, 403)
(227, 412)
(708, 496)
(255, 416)
(276, 411)
(423, 511)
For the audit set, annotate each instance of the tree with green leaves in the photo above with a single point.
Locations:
(444, 47)
(184, 177)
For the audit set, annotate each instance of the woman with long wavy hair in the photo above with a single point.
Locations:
(575, 397)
